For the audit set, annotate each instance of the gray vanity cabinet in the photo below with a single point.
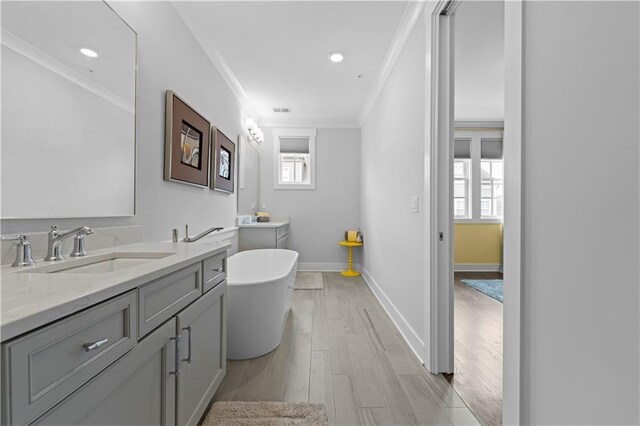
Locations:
(203, 353)
(267, 237)
(160, 299)
(154, 355)
(44, 367)
(138, 389)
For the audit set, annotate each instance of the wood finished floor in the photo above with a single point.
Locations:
(340, 348)
(477, 376)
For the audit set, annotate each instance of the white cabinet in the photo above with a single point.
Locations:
(258, 237)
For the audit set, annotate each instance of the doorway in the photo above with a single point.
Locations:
(468, 192)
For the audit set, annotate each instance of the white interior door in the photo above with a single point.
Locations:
(445, 121)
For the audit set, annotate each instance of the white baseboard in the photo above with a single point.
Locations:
(406, 331)
(324, 267)
(476, 267)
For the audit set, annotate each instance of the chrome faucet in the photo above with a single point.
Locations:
(23, 254)
(188, 239)
(54, 246)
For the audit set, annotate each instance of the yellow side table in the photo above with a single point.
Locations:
(350, 245)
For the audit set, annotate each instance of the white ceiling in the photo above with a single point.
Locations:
(274, 54)
(278, 52)
(479, 61)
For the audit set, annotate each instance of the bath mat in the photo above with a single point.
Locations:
(492, 288)
(237, 413)
(309, 281)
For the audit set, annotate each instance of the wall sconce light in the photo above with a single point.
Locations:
(253, 131)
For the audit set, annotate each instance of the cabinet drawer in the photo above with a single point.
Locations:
(282, 231)
(138, 389)
(45, 366)
(214, 270)
(164, 297)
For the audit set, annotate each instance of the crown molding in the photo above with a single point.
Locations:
(409, 18)
(219, 62)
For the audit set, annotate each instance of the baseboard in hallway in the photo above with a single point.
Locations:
(406, 331)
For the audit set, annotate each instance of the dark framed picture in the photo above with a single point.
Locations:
(187, 143)
(223, 160)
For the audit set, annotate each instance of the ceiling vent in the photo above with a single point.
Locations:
(281, 109)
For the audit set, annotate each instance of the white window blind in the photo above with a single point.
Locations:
(294, 145)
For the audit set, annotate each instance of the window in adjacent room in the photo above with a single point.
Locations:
(478, 176)
(462, 179)
(294, 155)
(492, 179)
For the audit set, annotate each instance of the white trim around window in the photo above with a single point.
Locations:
(279, 134)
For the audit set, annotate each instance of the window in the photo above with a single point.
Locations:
(462, 178)
(478, 176)
(461, 188)
(294, 168)
(492, 190)
(294, 155)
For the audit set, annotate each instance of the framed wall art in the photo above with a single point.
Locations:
(223, 160)
(187, 143)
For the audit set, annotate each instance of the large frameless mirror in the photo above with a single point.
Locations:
(68, 110)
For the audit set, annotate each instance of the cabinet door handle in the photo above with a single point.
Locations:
(218, 269)
(177, 356)
(188, 358)
(88, 347)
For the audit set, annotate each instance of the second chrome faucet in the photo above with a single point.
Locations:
(54, 245)
(188, 239)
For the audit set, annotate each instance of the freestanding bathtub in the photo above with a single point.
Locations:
(259, 291)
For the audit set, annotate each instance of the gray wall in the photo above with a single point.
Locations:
(392, 172)
(318, 217)
(165, 46)
(581, 215)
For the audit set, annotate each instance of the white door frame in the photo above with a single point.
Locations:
(514, 213)
(438, 295)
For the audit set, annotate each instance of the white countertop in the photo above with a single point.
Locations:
(272, 224)
(30, 300)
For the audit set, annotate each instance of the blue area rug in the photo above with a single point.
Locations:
(492, 288)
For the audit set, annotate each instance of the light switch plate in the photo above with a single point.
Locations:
(415, 204)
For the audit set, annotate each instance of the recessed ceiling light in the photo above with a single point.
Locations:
(88, 52)
(336, 57)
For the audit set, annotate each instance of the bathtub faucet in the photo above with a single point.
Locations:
(188, 239)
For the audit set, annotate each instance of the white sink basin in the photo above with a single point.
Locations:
(101, 264)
